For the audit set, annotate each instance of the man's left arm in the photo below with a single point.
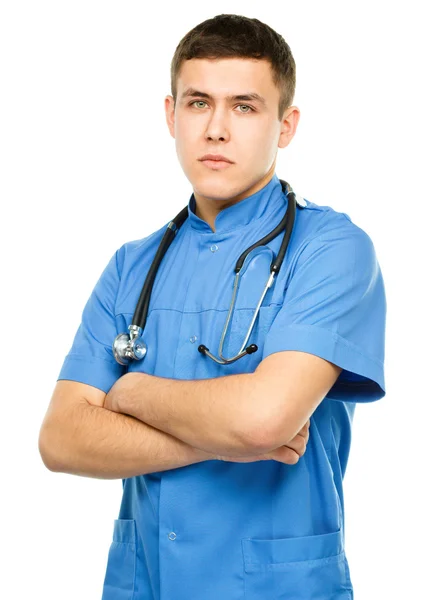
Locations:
(219, 415)
(235, 415)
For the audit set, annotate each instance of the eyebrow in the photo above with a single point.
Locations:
(250, 96)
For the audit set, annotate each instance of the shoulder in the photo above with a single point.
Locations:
(322, 224)
(133, 251)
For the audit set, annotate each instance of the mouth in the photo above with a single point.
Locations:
(216, 165)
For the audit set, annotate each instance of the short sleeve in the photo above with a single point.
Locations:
(90, 359)
(335, 307)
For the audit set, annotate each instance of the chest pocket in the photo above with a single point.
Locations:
(299, 568)
(242, 318)
(251, 286)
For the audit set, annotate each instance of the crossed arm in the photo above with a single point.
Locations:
(235, 414)
(210, 414)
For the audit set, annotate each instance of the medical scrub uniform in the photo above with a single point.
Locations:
(220, 530)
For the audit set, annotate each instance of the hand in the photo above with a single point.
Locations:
(111, 400)
(288, 454)
(291, 452)
(122, 390)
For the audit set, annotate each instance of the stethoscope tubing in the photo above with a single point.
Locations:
(132, 346)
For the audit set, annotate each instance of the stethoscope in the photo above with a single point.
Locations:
(132, 346)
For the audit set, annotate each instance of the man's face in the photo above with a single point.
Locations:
(246, 131)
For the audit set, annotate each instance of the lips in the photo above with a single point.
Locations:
(216, 165)
(216, 157)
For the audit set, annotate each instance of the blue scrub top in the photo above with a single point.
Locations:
(224, 530)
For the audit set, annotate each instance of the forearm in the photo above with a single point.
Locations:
(211, 414)
(95, 442)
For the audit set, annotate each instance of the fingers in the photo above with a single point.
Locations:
(305, 430)
(291, 452)
(285, 455)
(299, 442)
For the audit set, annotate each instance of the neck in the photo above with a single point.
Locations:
(207, 209)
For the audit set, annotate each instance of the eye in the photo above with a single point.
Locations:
(245, 105)
(195, 101)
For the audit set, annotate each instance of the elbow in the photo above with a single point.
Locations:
(264, 431)
(46, 450)
(259, 437)
(258, 441)
(268, 422)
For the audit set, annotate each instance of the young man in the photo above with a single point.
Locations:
(220, 499)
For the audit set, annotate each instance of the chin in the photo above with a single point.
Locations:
(217, 190)
(213, 184)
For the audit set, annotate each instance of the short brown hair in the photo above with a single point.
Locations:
(236, 36)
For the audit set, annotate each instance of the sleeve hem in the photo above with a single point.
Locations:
(91, 370)
(336, 349)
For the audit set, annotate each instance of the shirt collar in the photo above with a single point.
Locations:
(250, 209)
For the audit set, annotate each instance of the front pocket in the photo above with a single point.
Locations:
(119, 581)
(300, 568)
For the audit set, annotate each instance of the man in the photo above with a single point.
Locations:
(220, 498)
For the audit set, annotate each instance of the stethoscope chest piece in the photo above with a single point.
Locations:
(127, 347)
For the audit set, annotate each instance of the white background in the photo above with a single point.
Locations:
(87, 163)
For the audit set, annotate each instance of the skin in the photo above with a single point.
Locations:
(158, 406)
(289, 453)
(248, 136)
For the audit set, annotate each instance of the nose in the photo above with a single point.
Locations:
(217, 126)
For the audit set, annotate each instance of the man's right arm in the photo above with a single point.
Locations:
(80, 437)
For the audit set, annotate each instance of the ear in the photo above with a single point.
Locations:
(169, 108)
(289, 125)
